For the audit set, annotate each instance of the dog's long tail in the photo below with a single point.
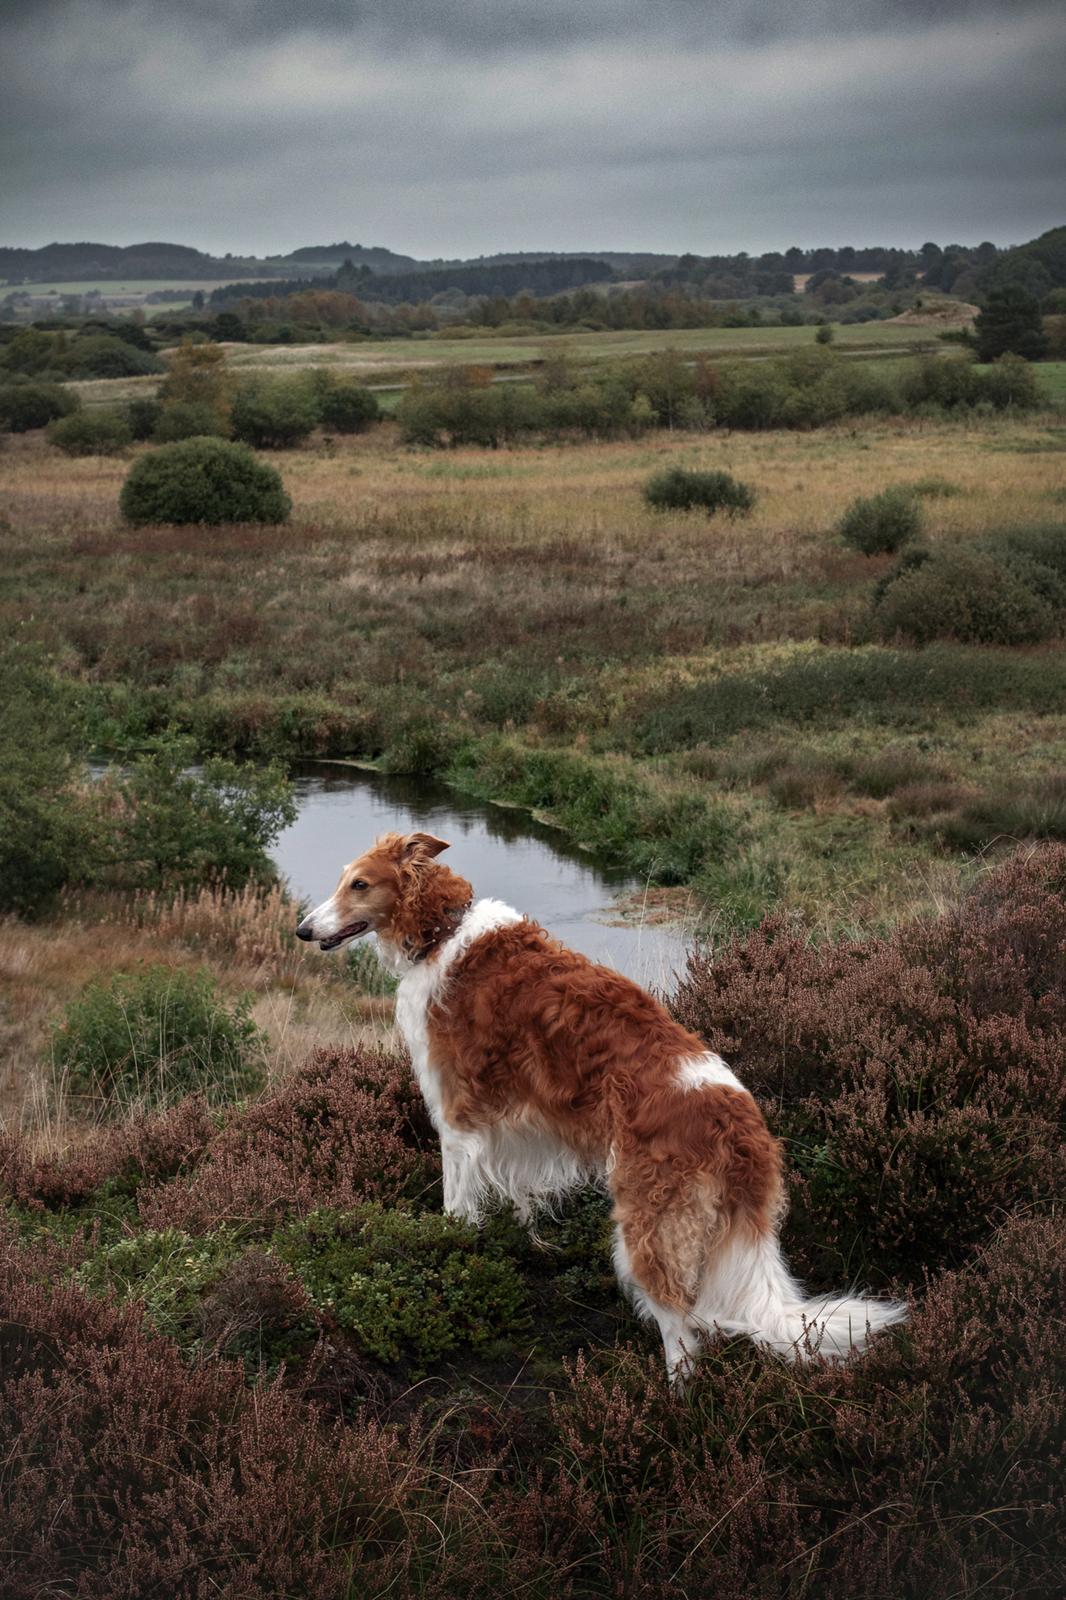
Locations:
(748, 1289)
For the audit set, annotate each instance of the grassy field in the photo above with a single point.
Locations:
(354, 1398)
(427, 609)
(127, 286)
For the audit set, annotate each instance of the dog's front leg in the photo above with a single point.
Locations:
(464, 1181)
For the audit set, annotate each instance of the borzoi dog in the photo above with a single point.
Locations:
(543, 1071)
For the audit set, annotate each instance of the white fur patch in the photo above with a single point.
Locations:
(324, 919)
(521, 1163)
(697, 1072)
(421, 983)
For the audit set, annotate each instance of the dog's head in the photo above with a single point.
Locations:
(373, 892)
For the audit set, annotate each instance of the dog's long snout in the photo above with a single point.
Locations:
(304, 929)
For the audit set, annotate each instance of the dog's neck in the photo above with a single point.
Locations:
(434, 902)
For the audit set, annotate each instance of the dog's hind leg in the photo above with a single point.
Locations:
(660, 1255)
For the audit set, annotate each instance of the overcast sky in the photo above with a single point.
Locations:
(456, 127)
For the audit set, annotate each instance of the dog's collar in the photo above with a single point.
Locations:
(438, 933)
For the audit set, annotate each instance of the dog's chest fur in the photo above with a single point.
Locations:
(424, 983)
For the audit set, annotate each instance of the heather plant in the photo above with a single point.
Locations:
(849, 1041)
(203, 481)
(679, 489)
(879, 524)
(101, 432)
(349, 1127)
(150, 1038)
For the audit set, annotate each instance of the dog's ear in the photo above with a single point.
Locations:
(422, 845)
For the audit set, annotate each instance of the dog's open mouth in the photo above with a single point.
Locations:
(352, 931)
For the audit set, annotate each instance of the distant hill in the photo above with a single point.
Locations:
(374, 256)
(74, 263)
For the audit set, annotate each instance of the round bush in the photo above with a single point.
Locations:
(142, 416)
(100, 356)
(678, 489)
(102, 432)
(967, 595)
(203, 480)
(274, 416)
(879, 524)
(153, 1037)
(346, 408)
(187, 419)
(24, 406)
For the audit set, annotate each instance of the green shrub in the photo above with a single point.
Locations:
(882, 687)
(941, 384)
(1010, 384)
(24, 406)
(967, 595)
(678, 489)
(879, 524)
(457, 414)
(209, 1293)
(150, 1038)
(347, 408)
(187, 419)
(42, 834)
(408, 1287)
(102, 432)
(276, 415)
(142, 416)
(206, 481)
(102, 357)
(167, 824)
(1037, 811)
(164, 1270)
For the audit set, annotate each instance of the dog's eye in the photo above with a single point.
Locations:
(358, 883)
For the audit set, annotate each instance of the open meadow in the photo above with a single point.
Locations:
(861, 809)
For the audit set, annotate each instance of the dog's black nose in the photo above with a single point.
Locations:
(303, 931)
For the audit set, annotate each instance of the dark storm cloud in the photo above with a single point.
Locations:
(452, 126)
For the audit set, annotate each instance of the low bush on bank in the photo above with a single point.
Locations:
(678, 489)
(150, 1038)
(155, 823)
(918, 1084)
(203, 481)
